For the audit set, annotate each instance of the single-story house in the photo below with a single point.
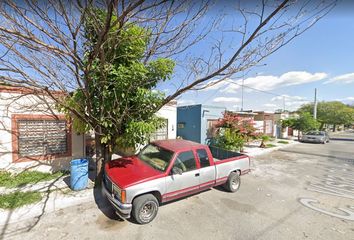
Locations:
(194, 122)
(34, 135)
(265, 123)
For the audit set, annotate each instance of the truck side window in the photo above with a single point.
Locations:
(203, 158)
(185, 161)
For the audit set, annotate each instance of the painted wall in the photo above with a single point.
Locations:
(12, 102)
(195, 120)
(190, 118)
(169, 112)
(209, 113)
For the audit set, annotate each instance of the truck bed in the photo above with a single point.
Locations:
(225, 160)
(223, 154)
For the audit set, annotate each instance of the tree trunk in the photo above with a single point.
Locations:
(103, 155)
(262, 144)
(334, 128)
(298, 135)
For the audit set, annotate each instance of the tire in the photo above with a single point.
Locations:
(233, 182)
(145, 208)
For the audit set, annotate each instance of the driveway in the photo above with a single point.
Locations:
(302, 192)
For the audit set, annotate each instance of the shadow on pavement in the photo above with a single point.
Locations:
(104, 205)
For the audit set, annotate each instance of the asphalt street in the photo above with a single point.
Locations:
(305, 191)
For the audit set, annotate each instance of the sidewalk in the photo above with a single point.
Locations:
(253, 149)
(58, 195)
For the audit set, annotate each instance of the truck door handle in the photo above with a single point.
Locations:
(197, 174)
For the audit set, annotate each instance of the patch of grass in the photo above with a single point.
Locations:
(269, 145)
(19, 199)
(26, 177)
(283, 142)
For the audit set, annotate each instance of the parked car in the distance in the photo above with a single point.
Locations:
(315, 137)
(166, 170)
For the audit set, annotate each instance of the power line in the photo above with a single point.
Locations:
(264, 91)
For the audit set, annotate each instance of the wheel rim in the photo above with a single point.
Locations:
(147, 212)
(235, 183)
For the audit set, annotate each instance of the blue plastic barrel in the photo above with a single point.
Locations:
(78, 174)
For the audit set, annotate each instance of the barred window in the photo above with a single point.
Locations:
(42, 137)
(161, 133)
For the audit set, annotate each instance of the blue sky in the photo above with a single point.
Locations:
(322, 58)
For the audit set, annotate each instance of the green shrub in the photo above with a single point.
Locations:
(269, 145)
(283, 142)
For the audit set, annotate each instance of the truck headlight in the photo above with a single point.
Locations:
(119, 194)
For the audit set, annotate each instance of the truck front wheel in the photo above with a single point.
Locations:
(233, 182)
(145, 208)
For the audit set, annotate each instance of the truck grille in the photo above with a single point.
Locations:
(108, 183)
(111, 187)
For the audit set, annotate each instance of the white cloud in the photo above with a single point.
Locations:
(183, 102)
(291, 102)
(270, 105)
(214, 85)
(345, 78)
(346, 100)
(288, 98)
(269, 82)
(226, 100)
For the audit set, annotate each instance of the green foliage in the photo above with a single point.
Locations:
(304, 123)
(119, 101)
(265, 138)
(269, 145)
(331, 112)
(19, 199)
(283, 142)
(26, 177)
(233, 132)
(229, 139)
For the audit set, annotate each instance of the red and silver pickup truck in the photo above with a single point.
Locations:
(167, 170)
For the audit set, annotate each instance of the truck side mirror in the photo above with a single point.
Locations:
(176, 170)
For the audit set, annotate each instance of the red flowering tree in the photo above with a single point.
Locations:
(232, 131)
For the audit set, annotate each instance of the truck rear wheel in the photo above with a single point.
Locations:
(145, 208)
(233, 182)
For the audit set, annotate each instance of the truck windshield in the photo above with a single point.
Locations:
(156, 157)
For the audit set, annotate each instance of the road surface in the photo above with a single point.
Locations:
(301, 192)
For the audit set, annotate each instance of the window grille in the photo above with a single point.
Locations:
(161, 133)
(42, 137)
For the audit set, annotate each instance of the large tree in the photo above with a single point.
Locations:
(43, 47)
(334, 113)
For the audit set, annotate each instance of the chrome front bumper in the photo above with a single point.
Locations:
(122, 209)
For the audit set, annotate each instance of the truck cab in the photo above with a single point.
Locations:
(167, 170)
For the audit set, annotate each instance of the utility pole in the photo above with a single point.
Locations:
(243, 79)
(315, 105)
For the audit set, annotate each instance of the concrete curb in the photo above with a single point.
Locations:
(51, 202)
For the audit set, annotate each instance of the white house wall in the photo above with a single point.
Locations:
(169, 112)
(16, 103)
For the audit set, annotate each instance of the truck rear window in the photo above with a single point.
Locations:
(156, 157)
